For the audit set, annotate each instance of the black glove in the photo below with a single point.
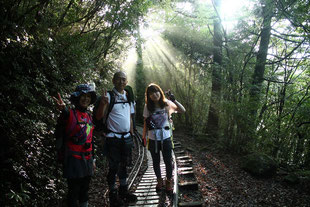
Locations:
(170, 96)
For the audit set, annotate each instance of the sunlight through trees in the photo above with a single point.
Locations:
(241, 69)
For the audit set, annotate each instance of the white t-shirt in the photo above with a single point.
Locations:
(158, 134)
(119, 117)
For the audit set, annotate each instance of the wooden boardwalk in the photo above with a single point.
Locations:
(146, 190)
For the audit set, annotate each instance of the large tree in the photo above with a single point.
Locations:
(214, 110)
(259, 69)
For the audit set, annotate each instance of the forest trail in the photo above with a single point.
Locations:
(223, 183)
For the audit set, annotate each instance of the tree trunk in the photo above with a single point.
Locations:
(140, 80)
(213, 117)
(259, 69)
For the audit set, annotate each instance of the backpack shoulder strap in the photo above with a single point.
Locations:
(89, 117)
(111, 104)
(128, 98)
(74, 113)
(73, 122)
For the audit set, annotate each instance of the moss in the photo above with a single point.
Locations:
(259, 165)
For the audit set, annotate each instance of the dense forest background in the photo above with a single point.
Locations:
(246, 88)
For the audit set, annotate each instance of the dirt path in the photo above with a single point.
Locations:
(224, 183)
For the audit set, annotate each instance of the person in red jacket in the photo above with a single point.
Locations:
(75, 127)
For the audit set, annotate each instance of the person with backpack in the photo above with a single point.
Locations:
(74, 142)
(157, 128)
(113, 111)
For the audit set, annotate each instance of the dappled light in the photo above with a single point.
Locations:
(160, 62)
(240, 68)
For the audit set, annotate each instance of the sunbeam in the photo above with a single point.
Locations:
(130, 65)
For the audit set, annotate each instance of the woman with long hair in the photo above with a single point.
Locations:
(157, 127)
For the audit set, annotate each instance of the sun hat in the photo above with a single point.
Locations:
(83, 89)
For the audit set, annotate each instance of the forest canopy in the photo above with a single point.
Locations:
(244, 81)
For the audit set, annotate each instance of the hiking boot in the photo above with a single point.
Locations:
(125, 195)
(114, 199)
(159, 185)
(169, 186)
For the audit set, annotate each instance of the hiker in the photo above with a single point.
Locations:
(74, 139)
(157, 128)
(114, 110)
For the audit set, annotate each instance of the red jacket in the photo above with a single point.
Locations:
(79, 131)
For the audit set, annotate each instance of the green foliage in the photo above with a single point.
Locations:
(188, 34)
(49, 47)
(19, 198)
(281, 125)
(299, 177)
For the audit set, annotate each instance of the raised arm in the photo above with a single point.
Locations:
(178, 106)
(104, 102)
(60, 104)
